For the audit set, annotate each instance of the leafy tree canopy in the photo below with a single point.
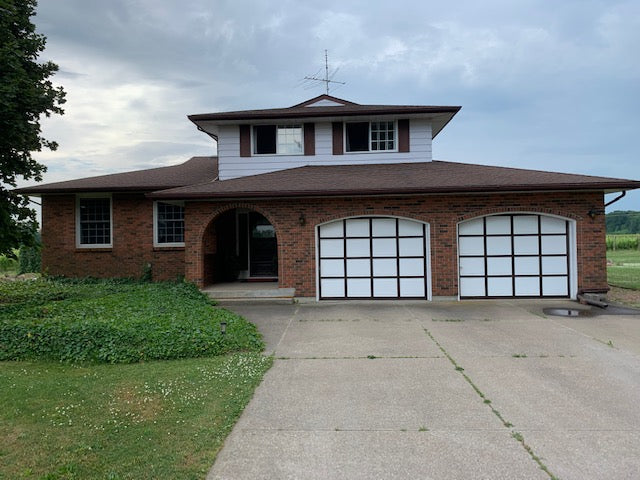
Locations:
(623, 222)
(25, 94)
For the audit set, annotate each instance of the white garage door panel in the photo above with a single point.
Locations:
(411, 247)
(514, 255)
(552, 225)
(332, 287)
(471, 246)
(472, 227)
(498, 245)
(385, 247)
(554, 265)
(472, 287)
(383, 227)
(332, 268)
(412, 287)
(527, 245)
(332, 248)
(359, 268)
(412, 267)
(524, 224)
(357, 247)
(408, 228)
(472, 266)
(498, 225)
(499, 266)
(527, 286)
(373, 257)
(358, 287)
(499, 287)
(527, 265)
(385, 267)
(385, 287)
(332, 230)
(358, 228)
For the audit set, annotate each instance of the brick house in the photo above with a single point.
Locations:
(337, 200)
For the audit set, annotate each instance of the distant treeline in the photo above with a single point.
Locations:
(623, 222)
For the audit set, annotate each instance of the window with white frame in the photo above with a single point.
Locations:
(370, 136)
(169, 224)
(94, 221)
(277, 140)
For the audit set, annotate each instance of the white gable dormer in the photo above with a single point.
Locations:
(324, 130)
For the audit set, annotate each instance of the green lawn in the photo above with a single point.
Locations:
(625, 271)
(155, 420)
(68, 412)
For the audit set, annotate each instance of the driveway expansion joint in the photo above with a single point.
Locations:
(514, 433)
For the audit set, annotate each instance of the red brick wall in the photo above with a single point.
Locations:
(132, 242)
(296, 244)
(133, 234)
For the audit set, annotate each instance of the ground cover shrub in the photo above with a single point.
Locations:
(107, 321)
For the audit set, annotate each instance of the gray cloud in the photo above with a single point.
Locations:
(547, 85)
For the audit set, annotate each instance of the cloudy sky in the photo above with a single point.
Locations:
(550, 85)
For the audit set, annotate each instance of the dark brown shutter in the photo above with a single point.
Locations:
(245, 140)
(403, 135)
(337, 138)
(309, 138)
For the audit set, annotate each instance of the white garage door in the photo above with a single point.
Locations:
(373, 257)
(514, 256)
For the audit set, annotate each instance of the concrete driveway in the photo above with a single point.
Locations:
(415, 390)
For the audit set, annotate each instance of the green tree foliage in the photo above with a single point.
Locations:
(623, 222)
(25, 94)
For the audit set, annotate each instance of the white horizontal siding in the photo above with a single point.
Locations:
(231, 165)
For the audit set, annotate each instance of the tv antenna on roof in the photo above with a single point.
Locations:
(327, 79)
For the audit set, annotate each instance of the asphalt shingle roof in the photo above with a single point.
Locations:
(389, 179)
(194, 170)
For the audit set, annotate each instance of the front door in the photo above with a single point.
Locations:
(263, 251)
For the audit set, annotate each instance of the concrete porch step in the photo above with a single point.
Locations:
(237, 291)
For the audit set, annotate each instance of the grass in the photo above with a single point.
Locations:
(77, 418)
(624, 268)
(164, 419)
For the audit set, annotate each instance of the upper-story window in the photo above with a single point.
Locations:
(277, 140)
(370, 136)
(94, 221)
(168, 224)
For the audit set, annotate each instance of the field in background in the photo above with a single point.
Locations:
(623, 241)
(623, 269)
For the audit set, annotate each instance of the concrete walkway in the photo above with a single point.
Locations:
(416, 390)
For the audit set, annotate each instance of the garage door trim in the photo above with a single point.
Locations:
(512, 276)
(423, 254)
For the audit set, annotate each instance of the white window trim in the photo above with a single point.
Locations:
(253, 145)
(157, 244)
(395, 137)
(78, 233)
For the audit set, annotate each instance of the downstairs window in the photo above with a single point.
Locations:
(168, 224)
(94, 222)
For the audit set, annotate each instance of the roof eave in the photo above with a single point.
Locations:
(313, 113)
(606, 188)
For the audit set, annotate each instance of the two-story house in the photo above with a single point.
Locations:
(337, 200)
